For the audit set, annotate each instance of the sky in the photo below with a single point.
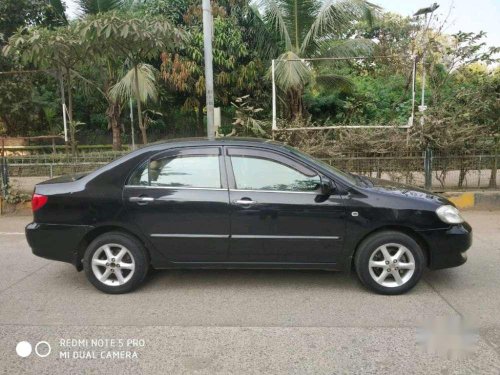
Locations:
(466, 15)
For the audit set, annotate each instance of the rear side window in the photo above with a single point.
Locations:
(252, 173)
(198, 171)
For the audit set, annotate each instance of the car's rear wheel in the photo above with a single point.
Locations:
(115, 263)
(389, 262)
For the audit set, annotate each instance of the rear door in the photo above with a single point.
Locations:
(278, 214)
(180, 200)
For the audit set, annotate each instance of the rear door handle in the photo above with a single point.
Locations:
(141, 199)
(245, 201)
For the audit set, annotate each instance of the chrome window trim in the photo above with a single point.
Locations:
(221, 189)
(174, 187)
(277, 191)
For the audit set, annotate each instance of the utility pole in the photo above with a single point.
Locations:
(132, 123)
(428, 13)
(63, 100)
(274, 124)
(209, 76)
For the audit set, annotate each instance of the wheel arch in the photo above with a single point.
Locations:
(96, 232)
(398, 228)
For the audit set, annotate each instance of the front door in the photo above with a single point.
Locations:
(180, 200)
(278, 214)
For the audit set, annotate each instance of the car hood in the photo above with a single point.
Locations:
(403, 190)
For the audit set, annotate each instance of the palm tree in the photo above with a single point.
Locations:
(126, 37)
(107, 69)
(311, 28)
(138, 83)
(88, 7)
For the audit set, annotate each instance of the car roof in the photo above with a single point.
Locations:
(180, 142)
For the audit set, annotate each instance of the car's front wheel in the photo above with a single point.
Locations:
(115, 263)
(389, 262)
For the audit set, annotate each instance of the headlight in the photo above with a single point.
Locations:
(449, 215)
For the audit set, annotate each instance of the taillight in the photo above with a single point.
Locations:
(38, 201)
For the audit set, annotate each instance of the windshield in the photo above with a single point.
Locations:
(347, 176)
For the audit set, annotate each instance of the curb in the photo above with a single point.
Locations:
(479, 200)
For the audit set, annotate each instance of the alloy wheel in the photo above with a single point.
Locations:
(113, 264)
(391, 265)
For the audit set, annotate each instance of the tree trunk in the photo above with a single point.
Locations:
(295, 104)
(113, 113)
(144, 135)
(139, 107)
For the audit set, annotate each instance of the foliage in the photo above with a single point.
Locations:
(47, 48)
(370, 101)
(17, 13)
(125, 88)
(236, 67)
(152, 51)
(13, 196)
(134, 39)
(98, 6)
(246, 118)
(470, 113)
(20, 112)
(308, 28)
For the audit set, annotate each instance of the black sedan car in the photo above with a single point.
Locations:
(241, 203)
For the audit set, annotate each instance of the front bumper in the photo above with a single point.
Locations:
(56, 241)
(448, 247)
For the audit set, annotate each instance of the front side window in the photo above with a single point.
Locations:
(252, 173)
(200, 171)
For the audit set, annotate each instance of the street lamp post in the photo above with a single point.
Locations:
(427, 12)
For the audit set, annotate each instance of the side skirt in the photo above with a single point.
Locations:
(251, 265)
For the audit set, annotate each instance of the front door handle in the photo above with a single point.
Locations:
(245, 201)
(141, 200)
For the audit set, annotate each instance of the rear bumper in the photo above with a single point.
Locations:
(448, 247)
(56, 241)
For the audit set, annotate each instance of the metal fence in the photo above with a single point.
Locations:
(434, 171)
(437, 172)
(51, 165)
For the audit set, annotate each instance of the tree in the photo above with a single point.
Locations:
(59, 49)
(139, 83)
(307, 28)
(18, 13)
(133, 39)
(88, 7)
(19, 114)
(236, 66)
(107, 67)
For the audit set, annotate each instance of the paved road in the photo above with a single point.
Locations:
(242, 321)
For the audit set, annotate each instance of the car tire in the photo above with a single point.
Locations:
(116, 263)
(389, 262)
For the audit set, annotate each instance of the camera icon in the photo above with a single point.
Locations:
(42, 349)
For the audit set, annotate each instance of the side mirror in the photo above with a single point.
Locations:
(327, 187)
